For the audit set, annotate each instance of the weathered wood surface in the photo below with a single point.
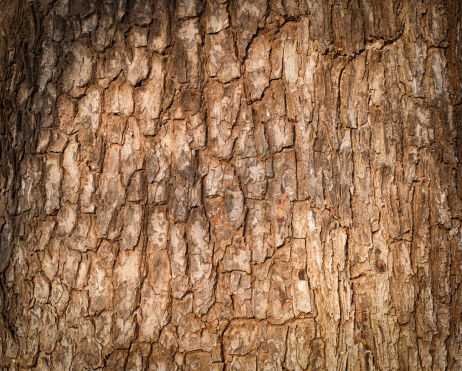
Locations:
(242, 185)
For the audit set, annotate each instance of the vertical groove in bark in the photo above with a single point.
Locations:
(239, 185)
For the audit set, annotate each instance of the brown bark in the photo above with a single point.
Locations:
(242, 185)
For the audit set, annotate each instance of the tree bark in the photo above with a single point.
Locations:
(242, 185)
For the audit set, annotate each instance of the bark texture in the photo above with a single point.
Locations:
(242, 185)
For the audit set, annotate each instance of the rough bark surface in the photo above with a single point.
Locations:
(242, 185)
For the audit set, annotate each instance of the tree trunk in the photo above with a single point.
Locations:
(242, 185)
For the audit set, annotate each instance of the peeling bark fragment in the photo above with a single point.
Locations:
(141, 12)
(88, 181)
(223, 63)
(252, 173)
(198, 361)
(103, 325)
(241, 287)
(67, 217)
(131, 155)
(159, 31)
(157, 161)
(187, 8)
(283, 190)
(88, 110)
(217, 17)
(247, 363)
(213, 181)
(204, 296)
(53, 178)
(103, 36)
(110, 193)
(136, 65)
(234, 198)
(49, 334)
(100, 286)
(259, 231)
(354, 91)
(177, 249)
(154, 312)
(291, 59)
(247, 16)
(221, 228)
(185, 186)
(272, 112)
(48, 62)
(108, 66)
(62, 356)
(298, 345)
(77, 307)
(29, 193)
(148, 98)
(114, 127)
(59, 141)
(321, 25)
(71, 181)
(41, 289)
(302, 291)
(137, 188)
(257, 67)
(59, 298)
(132, 223)
(80, 60)
(65, 115)
(281, 300)
(184, 63)
(127, 272)
(237, 258)
(119, 98)
(241, 338)
(246, 145)
(199, 249)
(348, 26)
(124, 331)
(223, 104)
(50, 261)
(381, 20)
(138, 37)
